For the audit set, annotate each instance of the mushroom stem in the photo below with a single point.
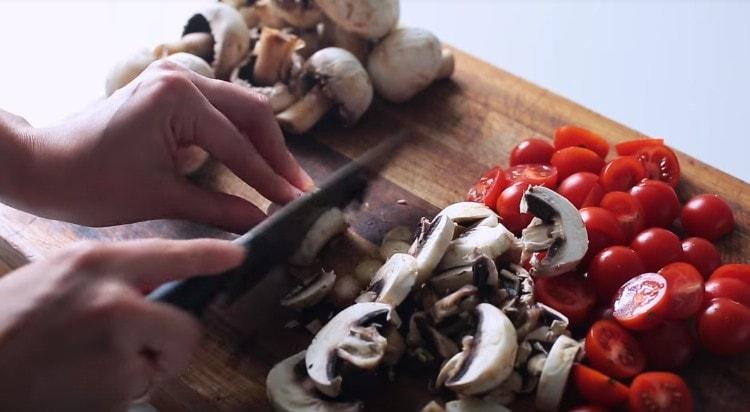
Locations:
(273, 51)
(303, 115)
(447, 64)
(278, 95)
(199, 44)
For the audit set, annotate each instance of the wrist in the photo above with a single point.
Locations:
(16, 160)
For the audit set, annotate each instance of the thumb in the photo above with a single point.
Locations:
(213, 208)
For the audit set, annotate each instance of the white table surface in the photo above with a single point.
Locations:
(680, 70)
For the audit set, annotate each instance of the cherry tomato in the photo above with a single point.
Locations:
(737, 271)
(724, 327)
(603, 230)
(659, 392)
(657, 247)
(534, 150)
(574, 136)
(576, 159)
(508, 207)
(533, 174)
(630, 147)
(659, 202)
(613, 351)
(707, 216)
(601, 313)
(622, 173)
(730, 288)
(670, 346)
(627, 210)
(642, 302)
(702, 254)
(588, 408)
(598, 388)
(611, 268)
(582, 189)
(660, 163)
(685, 289)
(488, 188)
(570, 293)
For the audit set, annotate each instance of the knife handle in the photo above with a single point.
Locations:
(191, 295)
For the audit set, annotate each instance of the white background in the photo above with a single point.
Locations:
(680, 70)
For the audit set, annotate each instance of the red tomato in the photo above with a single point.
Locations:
(534, 150)
(613, 351)
(630, 147)
(730, 288)
(588, 408)
(488, 188)
(724, 327)
(574, 136)
(611, 268)
(598, 388)
(601, 313)
(702, 254)
(627, 210)
(670, 346)
(622, 174)
(657, 247)
(685, 288)
(570, 293)
(576, 159)
(707, 216)
(603, 231)
(533, 174)
(737, 271)
(508, 207)
(642, 302)
(660, 163)
(659, 202)
(582, 189)
(659, 392)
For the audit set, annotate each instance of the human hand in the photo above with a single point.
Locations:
(115, 163)
(76, 335)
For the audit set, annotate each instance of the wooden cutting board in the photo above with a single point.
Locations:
(458, 128)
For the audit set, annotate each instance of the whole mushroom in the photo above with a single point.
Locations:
(370, 19)
(303, 14)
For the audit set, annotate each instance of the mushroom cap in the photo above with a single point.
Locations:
(431, 245)
(192, 62)
(467, 212)
(481, 240)
(303, 14)
(371, 19)
(125, 71)
(395, 279)
(230, 33)
(311, 292)
(405, 63)
(555, 373)
(331, 223)
(343, 80)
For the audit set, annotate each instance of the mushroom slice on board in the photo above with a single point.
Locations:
(464, 299)
(474, 405)
(371, 19)
(345, 328)
(290, 390)
(302, 14)
(366, 270)
(311, 292)
(481, 240)
(394, 280)
(431, 244)
(557, 228)
(488, 359)
(555, 373)
(328, 225)
(466, 213)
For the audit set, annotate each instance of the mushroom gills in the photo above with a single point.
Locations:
(555, 373)
(311, 292)
(328, 225)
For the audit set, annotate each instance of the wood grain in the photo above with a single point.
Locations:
(458, 129)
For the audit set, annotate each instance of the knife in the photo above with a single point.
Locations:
(275, 239)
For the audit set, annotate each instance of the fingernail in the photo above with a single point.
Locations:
(308, 184)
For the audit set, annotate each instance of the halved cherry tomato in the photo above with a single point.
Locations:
(659, 392)
(724, 327)
(570, 293)
(730, 288)
(488, 188)
(574, 136)
(657, 247)
(597, 387)
(661, 164)
(627, 210)
(611, 268)
(622, 173)
(603, 230)
(531, 151)
(582, 189)
(737, 271)
(533, 174)
(707, 216)
(685, 289)
(670, 346)
(576, 159)
(659, 200)
(630, 147)
(642, 302)
(614, 351)
(508, 207)
(702, 254)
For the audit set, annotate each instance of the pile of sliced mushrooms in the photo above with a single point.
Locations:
(452, 299)
(311, 58)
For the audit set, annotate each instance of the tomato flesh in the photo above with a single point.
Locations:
(622, 173)
(631, 147)
(488, 188)
(685, 287)
(508, 208)
(702, 254)
(737, 271)
(724, 327)
(660, 392)
(530, 151)
(642, 302)
(659, 201)
(533, 174)
(582, 189)
(574, 136)
(707, 216)
(611, 268)
(670, 346)
(657, 247)
(627, 210)
(576, 159)
(660, 163)
(729, 288)
(598, 388)
(570, 293)
(610, 349)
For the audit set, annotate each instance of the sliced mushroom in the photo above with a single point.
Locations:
(424, 335)
(345, 291)
(371, 19)
(431, 244)
(365, 271)
(274, 56)
(396, 346)
(452, 279)
(506, 392)
(555, 373)
(394, 280)
(347, 326)
(311, 292)
(337, 80)
(303, 14)
(465, 213)
(481, 240)
(290, 390)
(474, 405)
(557, 228)
(464, 299)
(328, 225)
(392, 247)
